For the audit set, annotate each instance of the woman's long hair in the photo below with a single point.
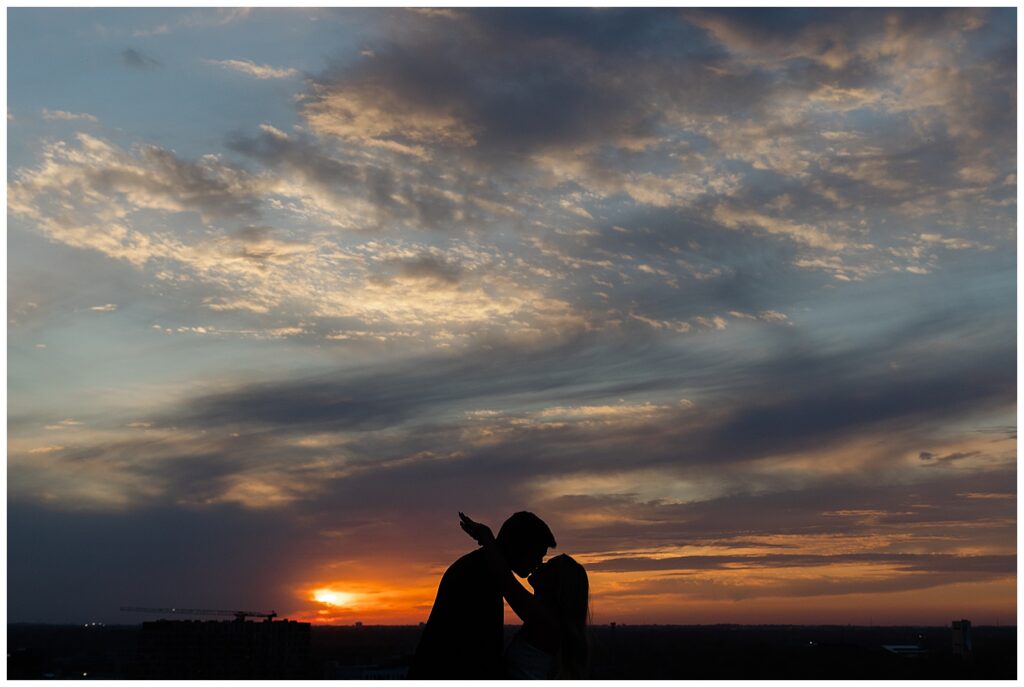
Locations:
(572, 603)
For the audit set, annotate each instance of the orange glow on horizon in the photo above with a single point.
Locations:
(812, 578)
(358, 599)
(332, 597)
(843, 593)
(985, 602)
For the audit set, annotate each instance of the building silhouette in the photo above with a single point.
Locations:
(962, 638)
(211, 649)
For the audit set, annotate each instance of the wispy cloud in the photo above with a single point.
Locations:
(259, 71)
(61, 115)
(197, 19)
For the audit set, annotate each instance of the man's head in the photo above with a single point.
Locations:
(524, 539)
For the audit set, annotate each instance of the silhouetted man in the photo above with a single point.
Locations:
(464, 635)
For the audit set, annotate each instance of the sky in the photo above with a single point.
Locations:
(727, 297)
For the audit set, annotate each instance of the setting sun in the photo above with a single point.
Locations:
(332, 598)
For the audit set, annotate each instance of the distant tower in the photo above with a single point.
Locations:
(962, 638)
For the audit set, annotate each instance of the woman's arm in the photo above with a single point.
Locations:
(523, 603)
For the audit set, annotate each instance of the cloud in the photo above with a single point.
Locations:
(346, 465)
(46, 449)
(258, 245)
(995, 495)
(791, 518)
(137, 60)
(999, 565)
(835, 38)
(826, 168)
(429, 268)
(384, 398)
(93, 195)
(259, 71)
(933, 459)
(352, 191)
(773, 422)
(423, 90)
(61, 115)
(384, 446)
(99, 185)
(329, 184)
(63, 424)
(838, 72)
(197, 19)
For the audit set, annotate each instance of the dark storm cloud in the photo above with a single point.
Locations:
(137, 60)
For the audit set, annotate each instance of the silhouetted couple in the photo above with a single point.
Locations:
(464, 635)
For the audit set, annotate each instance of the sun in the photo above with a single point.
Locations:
(332, 597)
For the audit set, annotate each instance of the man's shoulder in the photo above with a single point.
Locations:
(469, 571)
(471, 563)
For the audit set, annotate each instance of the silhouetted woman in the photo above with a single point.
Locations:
(552, 643)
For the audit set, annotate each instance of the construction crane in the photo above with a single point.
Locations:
(240, 616)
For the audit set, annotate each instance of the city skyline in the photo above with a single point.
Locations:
(726, 296)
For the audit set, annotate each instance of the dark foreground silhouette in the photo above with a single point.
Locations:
(641, 652)
(463, 637)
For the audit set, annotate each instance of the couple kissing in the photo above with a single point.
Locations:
(464, 635)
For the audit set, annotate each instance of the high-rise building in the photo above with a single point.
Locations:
(962, 638)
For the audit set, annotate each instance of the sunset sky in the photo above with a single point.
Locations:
(727, 297)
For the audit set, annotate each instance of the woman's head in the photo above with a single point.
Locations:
(562, 585)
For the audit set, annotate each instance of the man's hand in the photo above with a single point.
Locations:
(479, 531)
